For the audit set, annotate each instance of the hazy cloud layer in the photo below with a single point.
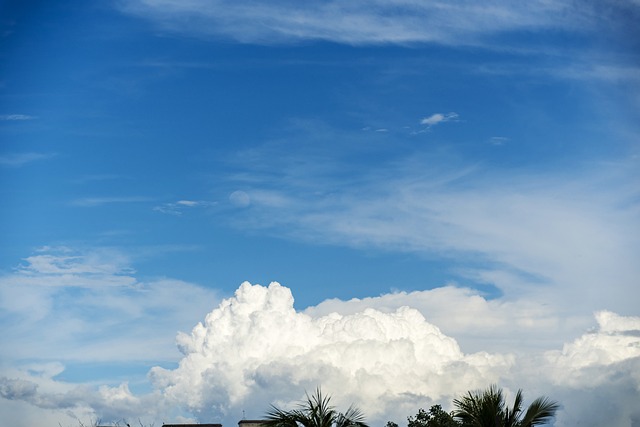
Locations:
(255, 349)
(567, 238)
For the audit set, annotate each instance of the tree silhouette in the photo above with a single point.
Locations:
(436, 417)
(488, 409)
(315, 411)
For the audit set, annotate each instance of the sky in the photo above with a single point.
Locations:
(210, 207)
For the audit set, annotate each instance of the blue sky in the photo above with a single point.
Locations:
(477, 163)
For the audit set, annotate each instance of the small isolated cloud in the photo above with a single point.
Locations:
(20, 159)
(498, 140)
(190, 203)
(436, 118)
(15, 117)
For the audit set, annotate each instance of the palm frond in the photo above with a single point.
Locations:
(276, 417)
(539, 412)
(512, 416)
(353, 417)
(314, 411)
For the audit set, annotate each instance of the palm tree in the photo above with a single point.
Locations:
(314, 412)
(488, 409)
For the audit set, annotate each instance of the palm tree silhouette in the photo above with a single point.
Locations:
(314, 412)
(488, 409)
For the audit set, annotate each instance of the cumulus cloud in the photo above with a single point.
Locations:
(256, 342)
(616, 339)
(518, 326)
(255, 349)
(436, 118)
(597, 376)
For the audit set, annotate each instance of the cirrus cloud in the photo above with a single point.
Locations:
(359, 22)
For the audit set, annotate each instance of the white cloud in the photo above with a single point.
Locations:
(436, 118)
(602, 365)
(616, 339)
(255, 342)
(359, 22)
(53, 305)
(477, 323)
(565, 238)
(255, 349)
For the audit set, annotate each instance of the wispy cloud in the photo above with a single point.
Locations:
(15, 117)
(360, 22)
(437, 118)
(21, 159)
(59, 297)
(551, 235)
(179, 207)
(498, 140)
(99, 201)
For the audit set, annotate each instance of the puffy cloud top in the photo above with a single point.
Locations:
(616, 339)
(255, 349)
(256, 344)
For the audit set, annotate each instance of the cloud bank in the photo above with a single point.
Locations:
(255, 349)
(256, 344)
